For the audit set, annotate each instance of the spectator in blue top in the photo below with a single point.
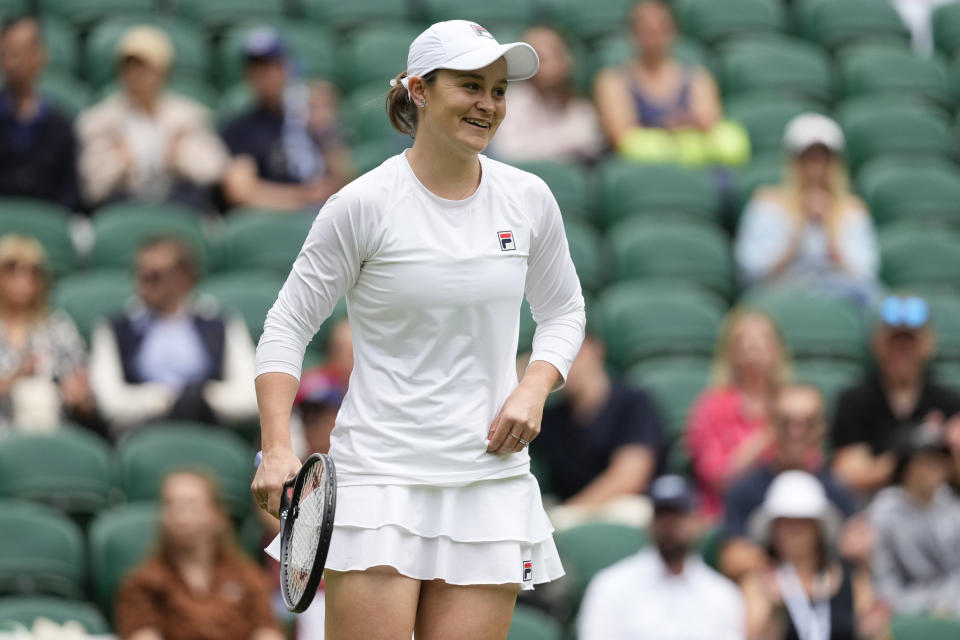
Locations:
(37, 147)
(288, 150)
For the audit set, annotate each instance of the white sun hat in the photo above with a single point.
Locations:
(461, 45)
(795, 495)
(809, 129)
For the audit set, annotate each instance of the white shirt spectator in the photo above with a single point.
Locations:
(638, 598)
(918, 15)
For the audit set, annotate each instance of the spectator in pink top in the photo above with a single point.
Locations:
(729, 427)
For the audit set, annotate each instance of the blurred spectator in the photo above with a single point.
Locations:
(143, 143)
(917, 16)
(173, 356)
(197, 584)
(289, 151)
(319, 398)
(42, 357)
(602, 440)
(806, 592)
(799, 426)
(730, 423)
(664, 593)
(810, 230)
(338, 353)
(546, 119)
(916, 564)
(38, 153)
(894, 399)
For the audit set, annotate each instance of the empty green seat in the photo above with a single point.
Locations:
(88, 12)
(834, 24)
(529, 623)
(712, 21)
(489, 13)
(921, 627)
(120, 230)
(26, 610)
(13, 7)
(829, 376)
(945, 316)
(890, 129)
(641, 321)
(219, 14)
(340, 15)
(893, 70)
(248, 294)
(310, 46)
(70, 469)
(365, 113)
(148, 455)
(371, 154)
(674, 385)
(42, 551)
(593, 20)
(777, 65)
(67, 94)
(567, 182)
(814, 326)
(90, 296)
(45, 221)
(587, 549)
(696, 253)
(61, 44)
(638, 189)
(585, 250)
(911, 257)
(763, 171)
(119, 539)
(262, 240)
(375, 54)
(946, 28)
(766, 116)
(899, 191)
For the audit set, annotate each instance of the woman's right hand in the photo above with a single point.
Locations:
(277, 467)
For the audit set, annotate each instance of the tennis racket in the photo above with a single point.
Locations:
(307, 507)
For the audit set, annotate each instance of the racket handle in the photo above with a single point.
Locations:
(258, 459)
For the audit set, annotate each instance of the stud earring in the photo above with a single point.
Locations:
(422, 104)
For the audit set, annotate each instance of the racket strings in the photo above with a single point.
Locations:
(305, 533)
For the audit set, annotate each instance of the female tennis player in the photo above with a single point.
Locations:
(439, 521)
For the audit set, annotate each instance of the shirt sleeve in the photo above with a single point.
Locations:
(641, 424)
(553, 290)
(848, 428)
(327, 267)
(258, 601)
(858, 246)
(138, 605)
(763, 237)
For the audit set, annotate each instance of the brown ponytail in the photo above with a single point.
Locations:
(400, 108)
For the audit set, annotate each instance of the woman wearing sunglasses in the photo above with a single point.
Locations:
(42, 359)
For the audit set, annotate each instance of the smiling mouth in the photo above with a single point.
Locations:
(480, 124)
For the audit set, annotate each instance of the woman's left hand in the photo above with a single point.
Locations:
(518, 422)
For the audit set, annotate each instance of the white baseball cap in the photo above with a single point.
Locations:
(809, 129)
(462, 45)
(795, 494)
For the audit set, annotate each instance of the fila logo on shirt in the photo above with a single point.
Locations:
(480, 31)
(506, 241)
(527, 570)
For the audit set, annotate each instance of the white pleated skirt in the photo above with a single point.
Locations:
(487, 532)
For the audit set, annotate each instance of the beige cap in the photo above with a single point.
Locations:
(147, 43)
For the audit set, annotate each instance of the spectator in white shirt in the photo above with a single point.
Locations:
(666, 593)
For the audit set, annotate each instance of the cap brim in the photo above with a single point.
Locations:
(522, 60)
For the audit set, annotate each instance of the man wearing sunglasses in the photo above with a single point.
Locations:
(896, 398)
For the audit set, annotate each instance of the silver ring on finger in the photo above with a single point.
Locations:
(517, 437)
(523, 442)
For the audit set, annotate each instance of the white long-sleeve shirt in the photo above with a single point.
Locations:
(433, 290)
(639, 599)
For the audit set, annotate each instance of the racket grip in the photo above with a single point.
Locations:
(258, 459)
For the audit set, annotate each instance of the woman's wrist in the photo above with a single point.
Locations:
(541, 377)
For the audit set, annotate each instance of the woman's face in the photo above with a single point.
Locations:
(754, 346)
(814, 165)
(21, 282)
(554, 58)
(653, 30)
(189, 517)
(464, 108)
(795, 538)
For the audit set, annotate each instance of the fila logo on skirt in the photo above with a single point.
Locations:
(527, 570)
(506, 241)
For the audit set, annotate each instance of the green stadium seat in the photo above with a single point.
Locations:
(836, 24)
(587, 549)
(234, 100)
(709, 547)
(699, 254)
(763, 171)
(375, 54)
(529, 623)
(370, 155)
(946, 28)
(217, 15)
(568, 183)
(249, 294)
(920, 627)
(42, 551)
(641, 321)
(13, 7)
(61, 43)
(912, 192)
(616, 50)
(67, 94)
(712, 21)
(26, 610)
(90, 296)
(594, 20)
(83, 14)
(628, 189)
(489, 13)
(527, 328)
(889, 129)
(311, 47)
(254, 239)
(47, 222)
(365, 114)
(71, 469)
(813, 326)
(192, 53)
(945, 316)
(787, 66)
(829, 376)
(766, 116)
(674, 384)
(148, 455)
(585, 250)
(119, 539)
(874, 69)
(121, 228)
(342, 16)
(916, 257)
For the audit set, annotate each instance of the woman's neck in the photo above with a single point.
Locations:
(653, 64)
(198, 555)
(15, 317)
(445, 172)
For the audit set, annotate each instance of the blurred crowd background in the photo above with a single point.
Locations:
(760, 437)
